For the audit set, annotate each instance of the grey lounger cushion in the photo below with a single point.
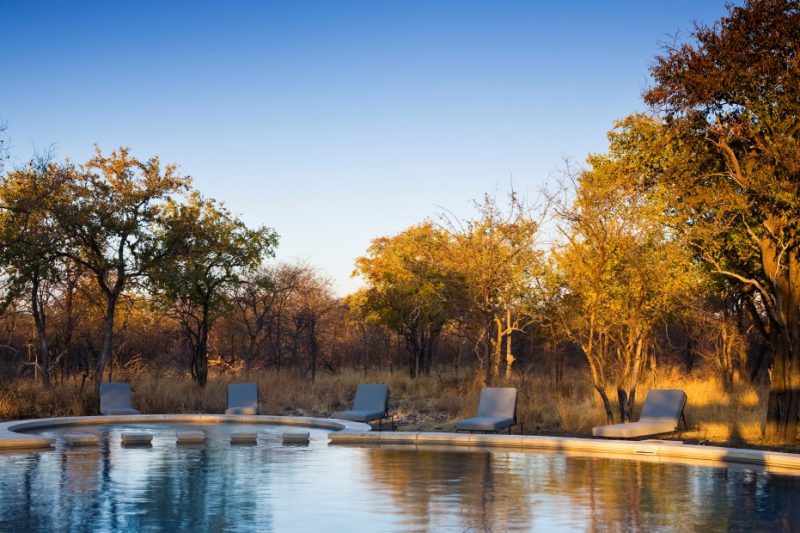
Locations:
(115, 399)
(371, 403)
(242, 399)
(661, 414)
(497, 409)
(485, 423)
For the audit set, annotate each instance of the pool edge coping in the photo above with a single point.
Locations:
(347, 432)
(10, 438)
(672, 451)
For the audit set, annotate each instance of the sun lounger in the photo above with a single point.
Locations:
(242, 399)
(115, 399)
(497, 410)
(662, 413)
(371, 403)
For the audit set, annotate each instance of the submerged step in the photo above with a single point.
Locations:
(296, 437)
(81, 439)
(133, 438)
(190, 437)
(244, 438)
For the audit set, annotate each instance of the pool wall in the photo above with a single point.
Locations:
(10, 438)
(668, 451)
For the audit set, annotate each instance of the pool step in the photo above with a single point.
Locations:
(81, 439)
(136, 438)
(244, 438)
(296, 437)
(190, 437)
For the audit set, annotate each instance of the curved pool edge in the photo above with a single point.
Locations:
(10, 438)
(668, 451)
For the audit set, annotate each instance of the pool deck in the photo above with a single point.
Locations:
(357, 433)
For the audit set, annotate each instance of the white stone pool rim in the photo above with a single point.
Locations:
(649, 450)
(10, 438)
(357, 433)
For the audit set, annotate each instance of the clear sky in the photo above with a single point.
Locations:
(334, 122)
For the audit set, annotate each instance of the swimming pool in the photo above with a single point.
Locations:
(218, 486)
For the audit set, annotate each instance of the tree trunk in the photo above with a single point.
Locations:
(606, 403)
(108, 338)
(200, 356)
(43, 352)
(626, 401)
(783, 405)
(509, 355)
(313, 348)
(634, 364)
(728, 347)
(412, 351)
(497, 351)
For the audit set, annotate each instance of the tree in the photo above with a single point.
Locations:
(731, 101)
(215, 250)
(30, 246)
(261, 302)
(110, 222)
(312, 303)
(623, 270)
(496, 257)
(410, 289)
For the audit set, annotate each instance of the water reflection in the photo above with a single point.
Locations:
(271, 487)
(496, 491)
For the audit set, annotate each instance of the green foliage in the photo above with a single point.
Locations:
(478, 276)
(29, 240)
(731, 100)
(111, 217)
(408, 280)
(410, 287)
(214, 250)
(623, 266)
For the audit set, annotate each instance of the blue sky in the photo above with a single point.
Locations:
(334, 122)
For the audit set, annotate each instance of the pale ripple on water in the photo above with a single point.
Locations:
(271, 487)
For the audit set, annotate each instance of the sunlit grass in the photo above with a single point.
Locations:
(434, 402)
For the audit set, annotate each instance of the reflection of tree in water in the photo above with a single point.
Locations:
(199, 490)
(502, 491)
(428, 484)
(209, 488)
(111, 488)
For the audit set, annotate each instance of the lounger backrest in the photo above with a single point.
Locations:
(498, 402)
(371, 397)
(243, 395)
(663, 404)
(115, 396)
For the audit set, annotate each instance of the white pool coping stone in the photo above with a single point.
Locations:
(10, 438)
(664, 450)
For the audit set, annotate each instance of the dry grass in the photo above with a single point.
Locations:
(429, 403)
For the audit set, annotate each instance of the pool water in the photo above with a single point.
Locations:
(271, 487)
